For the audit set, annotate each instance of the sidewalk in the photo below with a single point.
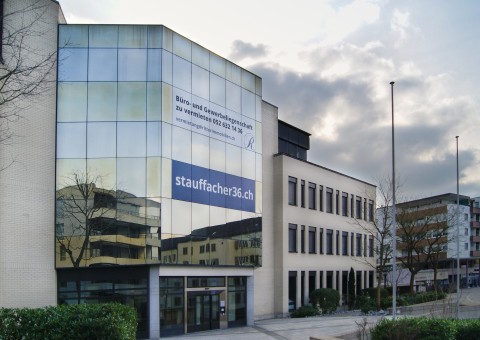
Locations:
(344, 326)
(291, 329)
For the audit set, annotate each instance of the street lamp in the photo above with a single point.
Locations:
(458, 236)
(394, 221)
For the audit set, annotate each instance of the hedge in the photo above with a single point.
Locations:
(305, 311)
(424, 328)
(327, 299)
(83, 321)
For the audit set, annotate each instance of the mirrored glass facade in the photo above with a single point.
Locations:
(158, 151)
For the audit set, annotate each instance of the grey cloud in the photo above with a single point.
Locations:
(363, 146)
(242, 50)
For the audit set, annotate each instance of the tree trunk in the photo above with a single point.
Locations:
(412, 280)
(379, 290)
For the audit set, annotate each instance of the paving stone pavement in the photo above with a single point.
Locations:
(343, 326)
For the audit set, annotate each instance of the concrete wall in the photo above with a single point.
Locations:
(264, 279)
(286, 166)
(27, 184)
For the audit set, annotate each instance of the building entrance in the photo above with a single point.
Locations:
(203, 311)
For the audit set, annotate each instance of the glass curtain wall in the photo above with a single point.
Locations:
(158, 151)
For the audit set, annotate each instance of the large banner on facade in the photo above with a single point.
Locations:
(193, 183)
(209, 119)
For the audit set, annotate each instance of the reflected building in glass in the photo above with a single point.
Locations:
(159, 165)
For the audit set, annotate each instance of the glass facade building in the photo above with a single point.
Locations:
(159, 155)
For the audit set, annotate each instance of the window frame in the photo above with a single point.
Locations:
(312, 240)
(292, 238)
(312, 196)
(329, 200)
(292, 191)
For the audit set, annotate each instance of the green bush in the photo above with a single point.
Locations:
(408, 299)
(372, 292)
(83, 321)
(304, 311)
(326, 299)
(366, 303)
(415, 328)
(468, 329)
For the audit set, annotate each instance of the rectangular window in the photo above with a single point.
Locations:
(292, 190)
(466, 246)
(337, 242)
(320, 241)
(337, 202)
(330, 200)
(370, 210)
(302, 239)
(344, 243)
(208, 248)
(302, 194)
(185, 250)
(202, 249)
(466, 231)
(370, 247)
(359, 244)
(344, 204)
(292, 238)
(63, 253)
(312, 188)
(329, 242)
(352, 209)
(214, 247)
(312, 238)
(320, 197)
(358, 208)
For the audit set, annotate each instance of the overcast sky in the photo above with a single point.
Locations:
(327, 65)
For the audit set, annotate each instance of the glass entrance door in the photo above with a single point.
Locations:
(203, 311)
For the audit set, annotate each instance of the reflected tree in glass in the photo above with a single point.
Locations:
(80, 207)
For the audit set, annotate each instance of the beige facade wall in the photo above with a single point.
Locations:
(27, 184)
(305, 262)
(264, 277)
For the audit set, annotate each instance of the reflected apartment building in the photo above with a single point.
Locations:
(167, 183)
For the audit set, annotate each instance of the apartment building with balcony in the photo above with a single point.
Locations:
(427, 237)
(475, 229)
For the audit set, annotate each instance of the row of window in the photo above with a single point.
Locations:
(203, 248)
(329, 200)
(334, 242)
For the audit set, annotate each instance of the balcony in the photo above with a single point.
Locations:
(474, 224)
(474, 238)
(475, 253)
(109, 260)
(138, 242)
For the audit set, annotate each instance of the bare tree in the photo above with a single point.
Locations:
(80, 208)
(26, 69)
(422, 234)
(380, 230)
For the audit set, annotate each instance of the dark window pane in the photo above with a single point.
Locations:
(292, 191)
(292, 238)
(312, 188)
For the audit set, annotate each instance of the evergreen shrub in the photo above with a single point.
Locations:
(75, 322)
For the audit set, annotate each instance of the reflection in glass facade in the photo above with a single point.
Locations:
(158, 151)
